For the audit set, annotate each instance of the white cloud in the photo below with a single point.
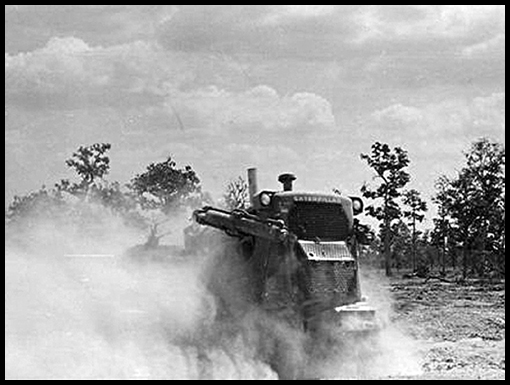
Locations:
(136, 95)
(68, 73)
(65, 46)
(489, 113)
(421, 45)
(398, 113)
(447, 119)
(284, 13)
(435, 134)
(259, 153)
(430, 21)
(462, 20)
(29, 27)
(257, 108)
(309, 10)
(58, 65)
(492, 46)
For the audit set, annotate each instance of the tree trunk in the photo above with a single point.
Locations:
(443, 254)
(464, 259)
(387, 254)
(413, 245)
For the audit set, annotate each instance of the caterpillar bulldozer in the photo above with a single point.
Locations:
(299, 255)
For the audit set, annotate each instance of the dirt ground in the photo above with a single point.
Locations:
(458, 327)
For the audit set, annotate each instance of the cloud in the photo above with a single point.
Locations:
(328, 32)
(304, 32)
(228, 46)
(144, 76)
(494, 46)
(401, 46)
(260, 107)
(489, 114)
(69, 73)
(418, 46)
(436, 134)
(276, 31)
(448, 119)
(29, 27)
(59, 65)
(414, 22)
(400, 114)
(476, 21)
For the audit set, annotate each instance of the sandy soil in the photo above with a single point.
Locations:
(459, 328)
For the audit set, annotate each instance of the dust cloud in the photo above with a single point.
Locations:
(383, 353)
(396, 353)
(77, 308)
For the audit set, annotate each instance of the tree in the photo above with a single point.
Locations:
(41, 203)
(400, 242)
(442, 235)
(91, 162)
(427, 254)
(485, 171)
(164, 186)
(236, 194)
(363, 234)
(475, 202)
(415, 207)
(389, 166)
(69, 201)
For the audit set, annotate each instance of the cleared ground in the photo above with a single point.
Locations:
(458, 327)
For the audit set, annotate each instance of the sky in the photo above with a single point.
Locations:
(284, 88)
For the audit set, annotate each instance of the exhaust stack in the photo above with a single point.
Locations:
(252, 184)
(286, 180)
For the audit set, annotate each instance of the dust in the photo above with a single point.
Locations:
(396, 353)
(76, 308)
(382, 353)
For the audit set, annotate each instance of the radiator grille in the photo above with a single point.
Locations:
(333, 281)
(312, 220)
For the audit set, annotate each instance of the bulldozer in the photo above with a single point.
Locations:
(299, 255)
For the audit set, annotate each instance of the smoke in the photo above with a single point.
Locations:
(84, 302)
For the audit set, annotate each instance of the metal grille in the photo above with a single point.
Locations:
(333, 280)
(312, 220)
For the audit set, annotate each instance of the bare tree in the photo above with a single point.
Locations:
(236, 194)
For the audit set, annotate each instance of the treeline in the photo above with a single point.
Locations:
(468, 233)
(144, 202)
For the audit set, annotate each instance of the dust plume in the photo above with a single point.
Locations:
(396, 353)
(86, 301)
(382, 353)
(75, 308)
